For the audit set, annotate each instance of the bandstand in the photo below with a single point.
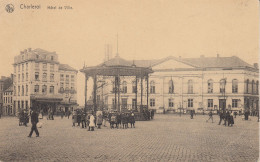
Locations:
(116, 68)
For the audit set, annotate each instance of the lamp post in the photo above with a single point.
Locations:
(223, 90)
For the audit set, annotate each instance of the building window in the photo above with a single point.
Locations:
(210, 86)
(222, 86)
(124, 87)
(22, 77)
(26, 90)
(51, 89)
(44, 77)
(52, 58)
(247, 86)
(18, 77)
(36, 88)
(210, 103)
(257, 86)
(234, 103)
(44, 66)
(133, 103)
(253, 87)
(190, 102)
(171, 87)
(36, 76)
(18, 68)
(124, 103)
(37, 56)
(22, 67)
(14, 90)
(14, 69)
(44, 89)
(190, 86)
(26, 66)
(152, 102)
(18, 90)
(22, 90)
(171, 103)
(26, 105)
(152, 87)
(37, 66)
(67, 78)
(61, 77)
(234, 86)
(52, 67)
(134, 87)
(26, 76)
(72, 78)
(52, 77)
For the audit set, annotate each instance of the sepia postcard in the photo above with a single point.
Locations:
(129, 80)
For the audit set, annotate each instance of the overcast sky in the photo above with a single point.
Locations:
(147, 29)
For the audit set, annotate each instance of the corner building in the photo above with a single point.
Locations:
(38, 82)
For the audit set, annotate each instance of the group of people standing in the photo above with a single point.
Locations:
(227, 117)
(91, 120)
(118, 120)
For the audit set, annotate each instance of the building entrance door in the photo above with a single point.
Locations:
(222, 104)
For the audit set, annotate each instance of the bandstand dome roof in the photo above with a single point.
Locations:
(117, 66)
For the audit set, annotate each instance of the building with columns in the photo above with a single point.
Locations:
(41, 81)
(204, 83)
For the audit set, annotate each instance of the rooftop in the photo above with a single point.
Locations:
(66, 67)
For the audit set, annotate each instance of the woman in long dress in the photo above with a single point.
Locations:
(92, 122)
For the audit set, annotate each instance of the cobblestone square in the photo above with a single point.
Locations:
(166, 138)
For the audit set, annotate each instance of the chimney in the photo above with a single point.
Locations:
(256, 65)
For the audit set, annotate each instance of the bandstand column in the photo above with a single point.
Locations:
(118, 95)
(115, 91)
(136, 93)
(147, 91)
(86, 91)
(141, 107)
(95, 93)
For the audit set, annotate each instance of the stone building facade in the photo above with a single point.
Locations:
(183, 84)
(37, 81)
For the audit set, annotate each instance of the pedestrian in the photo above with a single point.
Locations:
(104, 118)
(210, 116)
(78, 118)
(99, 120)
(92, 122)
(235, 114)
(119, 120)
(74, 118)
(227, 118)
(231, 120)
(69, 114)
(34, 121)
(83, 120)
(191, 114)
(62, 114)
(221, 117)
(132, 119)
(152, 114)
(26, 118)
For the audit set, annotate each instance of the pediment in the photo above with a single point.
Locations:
(172, 63)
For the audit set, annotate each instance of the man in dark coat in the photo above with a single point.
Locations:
(221, 116)
(34, 121)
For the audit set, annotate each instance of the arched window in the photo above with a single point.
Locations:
(190, 86)
(253, 87)
(171, 87)
(124, 87)
(152, 87)
(210, 86)
(234, 86)
(247, 86)
(222, 85)
(134, 86)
